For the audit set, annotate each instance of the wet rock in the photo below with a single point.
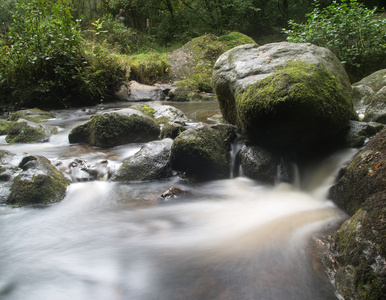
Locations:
(33, 114)
(362, 96)
(171, 193)
(8, 171)
(203, 153)
(172, 130)
(79, 170)
(265, 166)
(356, 261)
(358, 133)
(39, 182)
(376, 110)
(290, 95)
(111, 129)
(151, 162)
(161, 113)
(375, 81)
(140, 92)
(24, 131)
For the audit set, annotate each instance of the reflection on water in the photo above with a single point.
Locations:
(227, 239)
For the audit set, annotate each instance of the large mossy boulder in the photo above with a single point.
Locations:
(151, 162)
(24, 131)
(356, 260)
(112, 129)
(284, 94)
(203, 153)
(39, 182)
(192, 64)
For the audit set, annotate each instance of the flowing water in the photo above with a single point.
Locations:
(225, 239)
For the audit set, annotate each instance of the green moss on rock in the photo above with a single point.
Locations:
(4, 126)
(113, 129)
(38, 183)
(295, 106)
(24, 131)
(203, 153)
(357, 256)
(193, 64)
(33, 114)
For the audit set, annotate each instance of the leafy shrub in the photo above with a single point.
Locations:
(46, 63)
(149, 67)
(348, 29)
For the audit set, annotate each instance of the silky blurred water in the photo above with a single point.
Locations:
(226, 239)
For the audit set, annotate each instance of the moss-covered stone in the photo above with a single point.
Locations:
(113, 129)
(38, 183)
(172, 130)
(375, 81)
(4, 126)
(192, 65)
(161, 113)
(356, 260)
(296, 106)
(24, 131)
(203, 153)
(33, 114)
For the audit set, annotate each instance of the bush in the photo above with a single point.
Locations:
(348, 29)
(44, 61)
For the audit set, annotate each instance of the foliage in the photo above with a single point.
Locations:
(347, 28)
(149, 68)
(43, 61)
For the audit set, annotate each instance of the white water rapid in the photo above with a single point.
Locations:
(230, 239)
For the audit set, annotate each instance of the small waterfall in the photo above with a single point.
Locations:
(235, 166)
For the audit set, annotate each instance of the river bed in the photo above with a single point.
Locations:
(223, 239)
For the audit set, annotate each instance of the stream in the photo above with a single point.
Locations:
(224, 239)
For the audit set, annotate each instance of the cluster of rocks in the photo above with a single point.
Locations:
(288, 101)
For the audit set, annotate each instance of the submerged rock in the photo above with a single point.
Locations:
(203, 153)
(24, 131)
(39, 182)
(283, 94)
(151, 162)
(356, 260)
(111, 129)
